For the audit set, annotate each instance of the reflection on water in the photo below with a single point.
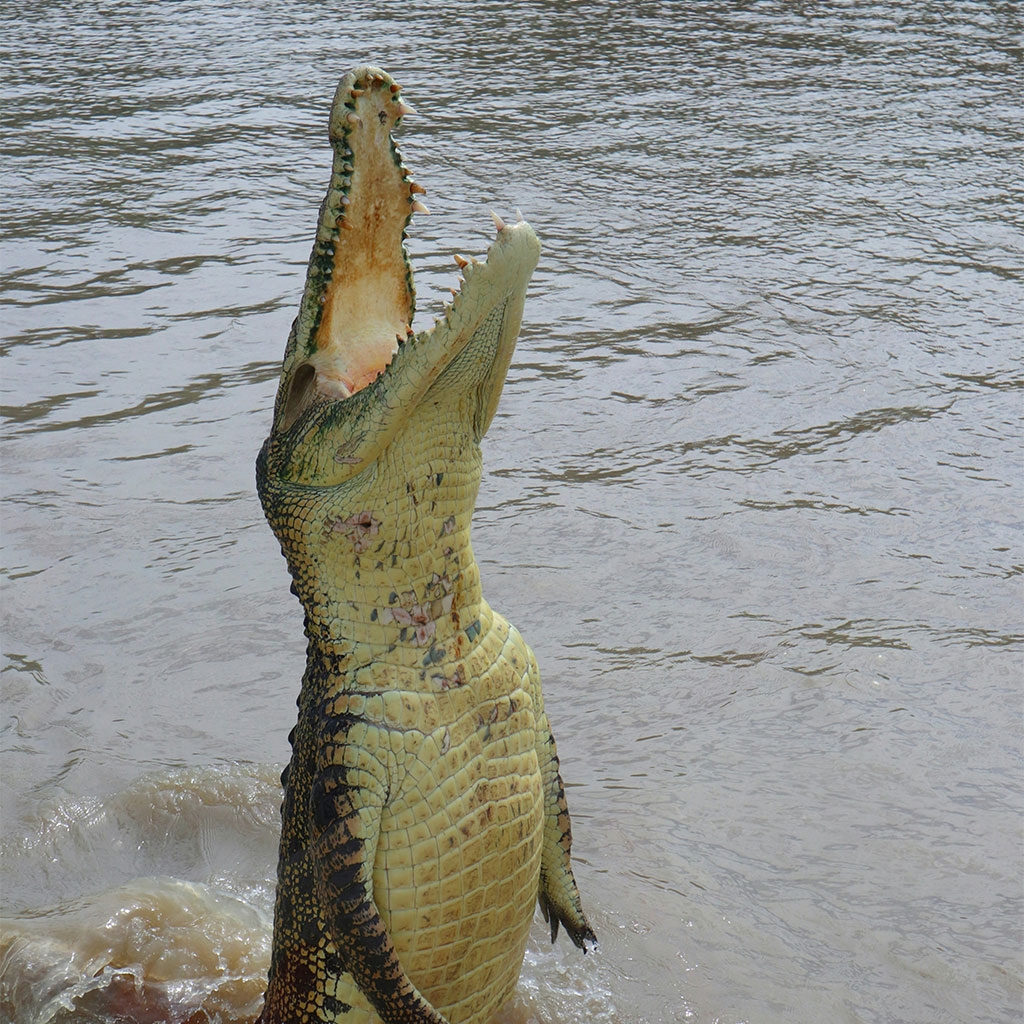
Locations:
(752, 493)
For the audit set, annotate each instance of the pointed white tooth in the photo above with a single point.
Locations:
(461, 260)
(354, 119)
(404, 108)
(419, 207)
(498, 222)
(519, 216)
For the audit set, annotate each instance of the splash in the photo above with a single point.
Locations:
(154, 950)
(156, 902)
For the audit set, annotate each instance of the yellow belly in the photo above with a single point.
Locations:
(457, 869)
(458, 858)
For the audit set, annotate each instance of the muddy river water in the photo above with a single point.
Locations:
(753, 493)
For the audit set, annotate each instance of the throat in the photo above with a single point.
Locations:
(409, 606)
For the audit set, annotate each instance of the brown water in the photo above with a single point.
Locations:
(753, 493)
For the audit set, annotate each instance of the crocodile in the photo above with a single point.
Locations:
(424, 816)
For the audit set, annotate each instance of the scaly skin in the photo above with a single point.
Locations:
(424, 814)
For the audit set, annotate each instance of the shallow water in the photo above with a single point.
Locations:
(753, 493)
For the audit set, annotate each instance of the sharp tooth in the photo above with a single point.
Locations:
(418, 207)
(499, 224)
(455, 292)
(417, 189)
(354, 119)
(395, 87)
(462, 261)
(519, 216)
(357, 92)
(404, 108)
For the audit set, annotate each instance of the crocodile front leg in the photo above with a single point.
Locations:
(348, 796)
(557, 893)
(333, 956)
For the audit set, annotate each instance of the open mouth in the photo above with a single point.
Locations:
(360, 284)
(352, 338)
(367, 298)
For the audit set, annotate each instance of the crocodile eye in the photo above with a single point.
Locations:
(299, 393)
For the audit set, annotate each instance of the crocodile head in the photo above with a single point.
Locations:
(354, 374)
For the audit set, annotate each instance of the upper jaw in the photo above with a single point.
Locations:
(359, 298)
(353, 327)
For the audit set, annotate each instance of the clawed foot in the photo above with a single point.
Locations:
(571, 918)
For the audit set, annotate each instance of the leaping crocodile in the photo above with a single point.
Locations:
(423, 815)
